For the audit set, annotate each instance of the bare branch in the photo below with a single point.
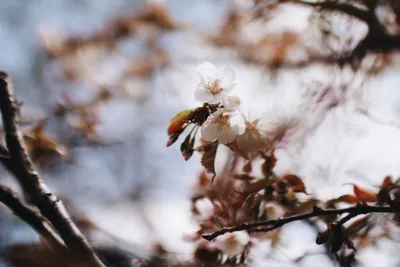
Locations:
(378, 39)
(5, 157)
(31, 217)
(21, 165)
(353, 11)
(270, 225)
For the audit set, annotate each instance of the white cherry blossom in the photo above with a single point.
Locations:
(253, 140)
(223, 125)
(205, 208)
(231, 102)
(232, 244)
(215, 83)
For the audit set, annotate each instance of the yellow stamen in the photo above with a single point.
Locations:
(252, 126)
(214, 87)
(223, 120)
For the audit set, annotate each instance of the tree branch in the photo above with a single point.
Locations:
(274, 224)
(378, 39)
(351, 10)
(5, 157)
(31, 217)
(39, 195)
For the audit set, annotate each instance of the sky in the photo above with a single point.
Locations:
(354, 142)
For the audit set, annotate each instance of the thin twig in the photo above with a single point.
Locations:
(31, 217)
(347, 218)
(39, 195)
(274, 224)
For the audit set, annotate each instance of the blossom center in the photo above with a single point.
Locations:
(215, 87)
(223, 120)
(231, 242)
(252, 126)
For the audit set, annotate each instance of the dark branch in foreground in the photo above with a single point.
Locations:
(31, 217)
(377, 40)
(32, 184)
(360, 14)
(270, 225)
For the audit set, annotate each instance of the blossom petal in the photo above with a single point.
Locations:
(226, 76)
(226, 136)
(243, 237)
(231, 102)
(209, 131)
(220, 97)
(229, 88)
(202, 94)
(232, 244)
(226, 133)
(207, 71)
(205, 208)
(238, 124)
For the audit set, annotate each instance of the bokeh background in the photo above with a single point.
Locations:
(117, 171)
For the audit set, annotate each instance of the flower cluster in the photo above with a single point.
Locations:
(214, 88)
(220, 119)
(227, 124)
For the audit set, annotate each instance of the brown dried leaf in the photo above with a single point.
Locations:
(208, 158)
(329, 218)
(364, 195)
(268, 165)
(41, 147)
(173, 137)
(306, 206)
(387, 182)
(349, 244)
(384, 191)
(337, 238)
(235, 148)
(243, 177)
(295, 183)
(187, 147)
(87, 124)
(258, 186)
(323, 237)
(350, 199)
(357, 225)
(161, 18)
(384, 197)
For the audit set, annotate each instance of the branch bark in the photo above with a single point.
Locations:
(353, 11)
(378, 39)
(31, 217)
(274, 224)
(32, 184)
